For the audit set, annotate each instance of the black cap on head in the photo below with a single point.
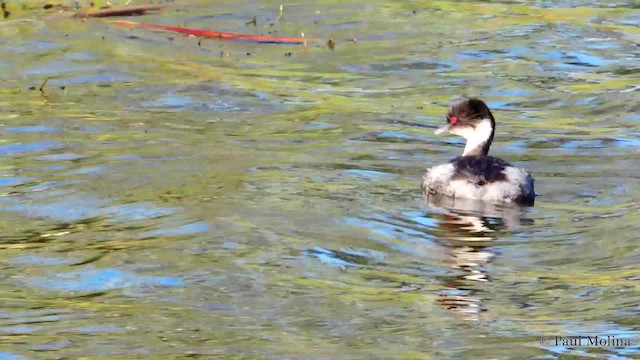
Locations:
(468, 113)
(466, 116)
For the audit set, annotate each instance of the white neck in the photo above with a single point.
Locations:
(476, 138)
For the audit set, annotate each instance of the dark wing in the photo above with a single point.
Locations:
(479, 169)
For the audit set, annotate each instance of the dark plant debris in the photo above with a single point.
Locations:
(44, 83)
(253, 22)
(331, 43)
(5, 12)
(122, 11)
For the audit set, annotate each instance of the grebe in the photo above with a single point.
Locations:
(476, 175)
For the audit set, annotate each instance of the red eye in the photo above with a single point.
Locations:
(454, 120)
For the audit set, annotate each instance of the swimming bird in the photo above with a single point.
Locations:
(475, 174)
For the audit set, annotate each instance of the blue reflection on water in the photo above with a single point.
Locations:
(21, 148)
(31, 129)
(5, 355)
(187, 229)
(99, 280)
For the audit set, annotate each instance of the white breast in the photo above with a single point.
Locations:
(438, 180)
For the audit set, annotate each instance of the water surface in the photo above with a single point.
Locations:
(164, 199)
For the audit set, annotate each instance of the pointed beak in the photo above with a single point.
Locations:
(443, 130)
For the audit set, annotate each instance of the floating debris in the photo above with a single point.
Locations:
(45, 83)
(131, 10)
(208, 34)
(5, 12)
(253, 21)
(331, 43)
(280, 13)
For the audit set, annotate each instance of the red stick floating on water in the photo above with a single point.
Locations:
(208, 34)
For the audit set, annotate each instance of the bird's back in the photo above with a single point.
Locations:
(480, 177)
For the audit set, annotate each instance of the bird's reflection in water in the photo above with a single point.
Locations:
(469, 228)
